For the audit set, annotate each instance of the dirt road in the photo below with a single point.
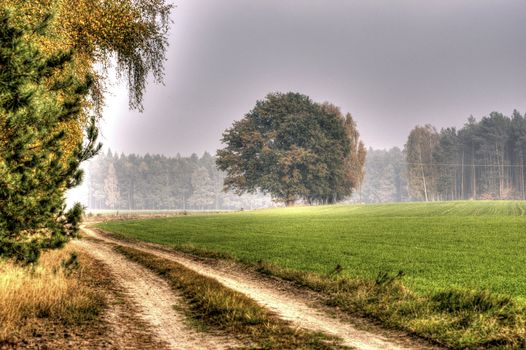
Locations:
(284, 302)
(156, 303)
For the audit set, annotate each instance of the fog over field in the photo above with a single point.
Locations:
(393, 65)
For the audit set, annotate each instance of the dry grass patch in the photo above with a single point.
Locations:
(54, 290)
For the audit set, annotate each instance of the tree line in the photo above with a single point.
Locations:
(484, 159)
(157, 182)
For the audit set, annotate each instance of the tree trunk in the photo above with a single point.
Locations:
(462, 177)
(522, 175)
(423, 175)
(473, 175)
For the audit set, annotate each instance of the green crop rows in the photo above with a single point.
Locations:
(474, 245)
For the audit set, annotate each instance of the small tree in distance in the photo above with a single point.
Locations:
(293, 149)
(111, 187)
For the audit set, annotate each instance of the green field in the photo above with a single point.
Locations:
(469, 244)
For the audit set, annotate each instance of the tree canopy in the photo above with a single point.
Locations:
(54, 59)
(132, 33)
(34, 172)
(129, 34)
(485, 159)
(294, 149)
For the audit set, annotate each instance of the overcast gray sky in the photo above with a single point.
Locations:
(392, 64)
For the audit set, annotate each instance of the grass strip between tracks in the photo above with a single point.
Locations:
(218, 307)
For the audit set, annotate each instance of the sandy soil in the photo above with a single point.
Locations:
(287, 303)
(118, 328)
(158, 307)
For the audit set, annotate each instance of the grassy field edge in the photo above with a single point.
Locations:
(456, 318)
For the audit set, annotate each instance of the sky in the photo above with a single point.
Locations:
(392, 64)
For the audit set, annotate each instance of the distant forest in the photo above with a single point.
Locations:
(385, 177)
(484, 159)
(155, 182)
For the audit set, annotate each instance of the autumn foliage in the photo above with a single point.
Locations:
(54, 60)
(294, 149)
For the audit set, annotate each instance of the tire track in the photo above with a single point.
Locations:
(285, 304)
(155, 301)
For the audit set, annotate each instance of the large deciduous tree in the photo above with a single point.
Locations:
(293, 148)
(132, 33)
(128, 34)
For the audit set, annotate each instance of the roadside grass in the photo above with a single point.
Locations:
(463, 282)
(456, 318)
(55, 290)
(219, 307)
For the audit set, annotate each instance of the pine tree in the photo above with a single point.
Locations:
(34, 171)
(482, 160)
